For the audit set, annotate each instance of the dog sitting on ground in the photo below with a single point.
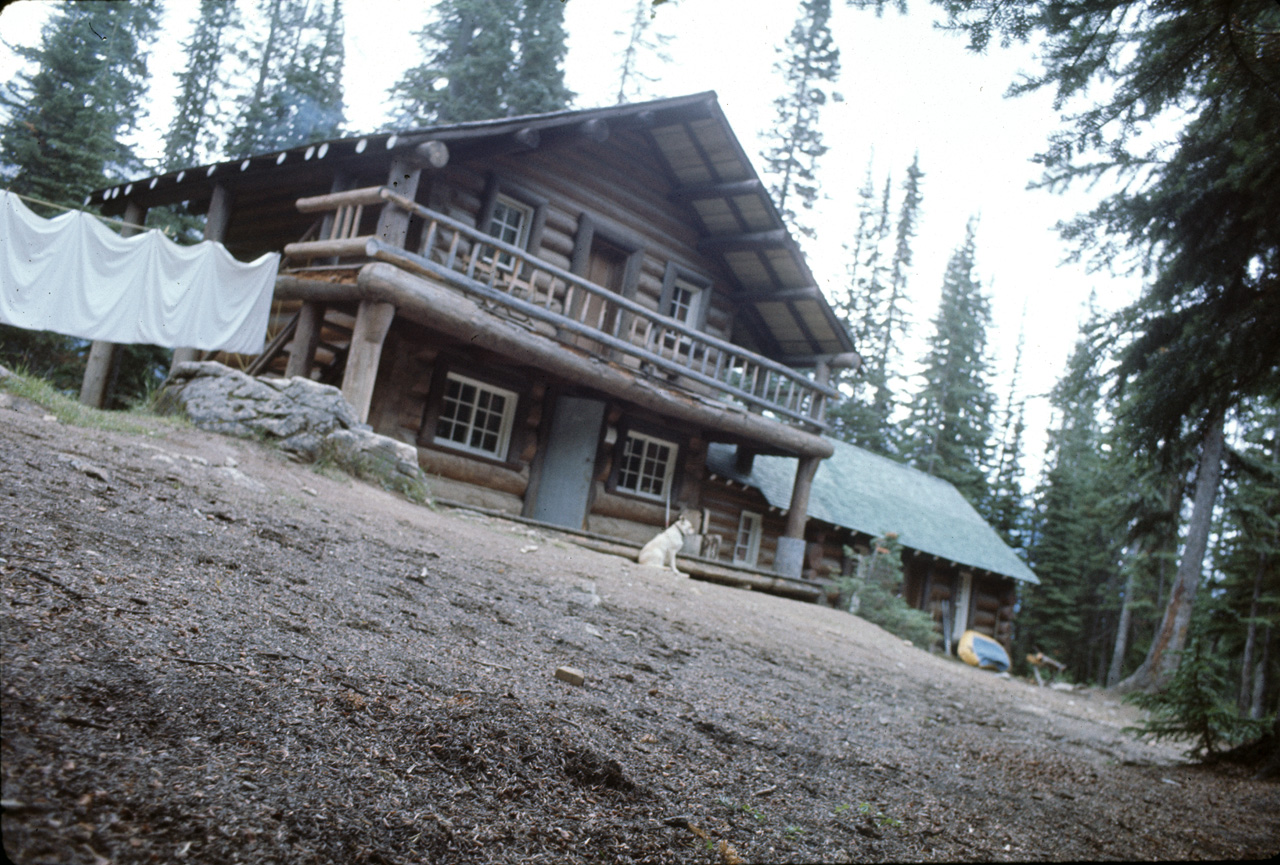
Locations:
(661, 551)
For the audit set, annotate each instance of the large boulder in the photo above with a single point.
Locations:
(299, 415)
(377, 458)
(294, 413)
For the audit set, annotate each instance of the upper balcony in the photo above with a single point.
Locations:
(512, 284)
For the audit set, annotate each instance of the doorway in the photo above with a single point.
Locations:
(568, 460)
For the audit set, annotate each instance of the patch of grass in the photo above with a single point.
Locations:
(138, 420)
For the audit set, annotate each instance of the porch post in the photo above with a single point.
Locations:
(104, 357)
(372, 322)
(215, 228)
(789, 560)
(302, 351)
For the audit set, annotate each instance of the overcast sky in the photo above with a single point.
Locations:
(907, 88)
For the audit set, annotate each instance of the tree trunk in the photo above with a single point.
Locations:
(1162, 658)
(1251, 634)
(1122, 631)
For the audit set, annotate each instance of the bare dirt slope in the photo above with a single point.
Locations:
(211, 654)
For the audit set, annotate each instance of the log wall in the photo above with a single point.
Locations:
(618, 183)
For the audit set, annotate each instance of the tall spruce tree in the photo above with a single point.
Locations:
(1080, 530)
(641, 42)
(193, 134)
(949, 427)
(1007, 511)
(485, 59)
(810, 68)
(68, 120)
(875, 310)
(296, 66)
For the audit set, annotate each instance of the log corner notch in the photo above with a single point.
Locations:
(431, 155)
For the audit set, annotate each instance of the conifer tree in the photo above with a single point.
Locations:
(67, 121)
(485, 59)
(949, 428)
(875, 311)
(641, 41)
(193, 134)
(810, 68)
(1079, 532)
(1007, 512)
(297, 71)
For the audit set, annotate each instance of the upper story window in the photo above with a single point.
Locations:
(647, 466)
(686, 302)
(509, 222)
(476, 417)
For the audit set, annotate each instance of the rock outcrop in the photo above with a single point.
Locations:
(298, 415)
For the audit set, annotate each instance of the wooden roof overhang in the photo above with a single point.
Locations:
(784, 313)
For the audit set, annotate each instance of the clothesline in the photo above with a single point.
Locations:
(75, 276)
(98, 216)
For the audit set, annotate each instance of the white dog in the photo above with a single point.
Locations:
(661, 551)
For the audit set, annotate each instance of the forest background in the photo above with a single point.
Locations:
(1150, 508)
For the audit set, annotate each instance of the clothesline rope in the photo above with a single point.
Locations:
(97, 216)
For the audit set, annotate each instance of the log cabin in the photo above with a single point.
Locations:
(566, 313)
(560, 311)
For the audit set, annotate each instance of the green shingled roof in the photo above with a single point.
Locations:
(872, 494)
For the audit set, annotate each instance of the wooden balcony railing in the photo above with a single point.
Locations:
(511, 282)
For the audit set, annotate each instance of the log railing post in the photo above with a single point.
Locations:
(104, 357)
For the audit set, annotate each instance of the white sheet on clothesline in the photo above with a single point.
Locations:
(74, 276)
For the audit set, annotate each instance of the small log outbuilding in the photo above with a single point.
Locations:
(955, 566)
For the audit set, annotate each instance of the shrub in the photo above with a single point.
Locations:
(1191, 707)
(873, 593)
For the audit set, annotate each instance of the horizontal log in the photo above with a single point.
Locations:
(345, 248)
(333, 200)
(443, 309)
(431, 154)
(726, 243)
(315, 290)
(606, 504)
(716, 190)
(459, 467)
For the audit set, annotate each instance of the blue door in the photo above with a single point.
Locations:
(567, 464)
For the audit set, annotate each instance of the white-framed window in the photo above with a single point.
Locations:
(476, 417)
(686, 299)
(746, 549)
(509, 223)
(647, 466)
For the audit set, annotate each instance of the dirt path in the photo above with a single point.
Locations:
(212, 654)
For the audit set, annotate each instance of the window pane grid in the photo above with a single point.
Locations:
(509, 223)
(475, 417)
(646, 466)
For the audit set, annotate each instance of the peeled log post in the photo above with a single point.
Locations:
(372, 321)
(306, 336)
(789, 558)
